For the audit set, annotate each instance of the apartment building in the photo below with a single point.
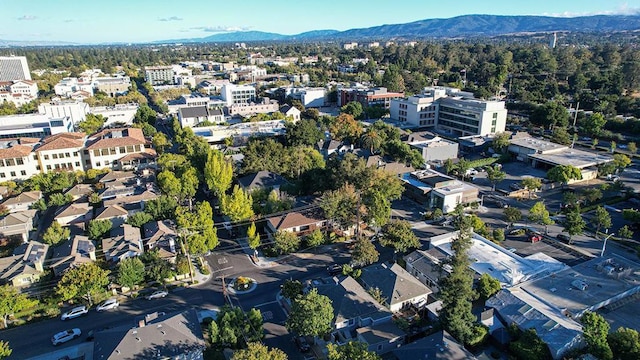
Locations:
(368, 97)
(70, 85)
(238, 94)
(159, 75)
(19, 92)
(17, 162)
(112, 86)
(14, 68)
(61, 152)
(107, 147)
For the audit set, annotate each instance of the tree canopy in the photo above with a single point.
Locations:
(83, 282)
(310, 315)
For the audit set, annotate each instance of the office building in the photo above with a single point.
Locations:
(14, 68)
(75, 110)
(33, 126)
(159, 75)
(238, 94)
(368, 97)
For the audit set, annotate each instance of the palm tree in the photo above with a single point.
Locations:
(371, 139)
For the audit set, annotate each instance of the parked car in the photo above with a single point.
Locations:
(302, 343)
(74, 313)
(64, 336)
(108, 305)
(334, 269)
(515, 186)
(157, 295)
(564, 238)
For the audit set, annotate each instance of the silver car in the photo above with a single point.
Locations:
(64, 336)
(74, 313)
(108, 305)
(157, 295)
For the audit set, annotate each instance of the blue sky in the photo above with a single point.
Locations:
(96, 21)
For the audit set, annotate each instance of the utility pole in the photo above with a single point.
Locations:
(575, 118)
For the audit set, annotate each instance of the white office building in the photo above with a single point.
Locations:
(19, 92)
(75, 110)
(33, 125)
(70, 85)
(116, 115)
(158, 75)
(238, 94)
(14, 68)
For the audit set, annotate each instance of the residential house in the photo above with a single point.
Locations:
(22, 201)
(438, 346)
(426, 266)
(106, 147)
(299, 223)
(161, 236)
(398, 287)
(381, 338)
(291, 112)
(25, 266)
(262, 180)
(329, 147)
(80, 192)
(74, 213)
(133, 202)
(392, 167)
(117, 175)
(353, 306)
(19, 223)
(196, 115)
(115, 213)
(62, 151)
(16, 162)
(157, 336)
(72, 253)
(125, 242)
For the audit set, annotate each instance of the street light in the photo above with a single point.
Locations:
(604, 245)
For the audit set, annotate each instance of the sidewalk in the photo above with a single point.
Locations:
(256, 256)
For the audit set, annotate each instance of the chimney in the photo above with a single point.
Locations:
(37, 263)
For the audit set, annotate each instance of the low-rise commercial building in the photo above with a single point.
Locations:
(546, 154)
(368, 97)
(195, 115)
(433, 148)
(438, 191)
(33, 126)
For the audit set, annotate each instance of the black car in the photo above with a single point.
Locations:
(302, 343)
(564, 238)
(334, 270)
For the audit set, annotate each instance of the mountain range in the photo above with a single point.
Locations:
(456, 27)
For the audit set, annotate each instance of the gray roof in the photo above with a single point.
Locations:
(23, 260)
(165, 337)
(350, 300)
(193, 111)
(382, 333)
(73, 252)
(396, 284)
(261, 180)
(126, 243)
(117, 175)
(440, 345)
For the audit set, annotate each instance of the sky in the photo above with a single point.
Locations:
(103, 21)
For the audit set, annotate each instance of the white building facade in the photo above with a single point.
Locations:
(238, 94)
(14, 68)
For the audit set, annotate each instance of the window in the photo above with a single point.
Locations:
(112, 151)
(98, 164)
(2, 175)
(77, 163)
(13, 174)
(96, 152)
(138, 148)
(75, 153)
(23, 173)
(57, 166)
(61, 156)
(67, 155)
(46, 157)
(123, 150)
(19, 161)
(10, 162)
(86, 152)
(1, 163)
(35, 157)
(87, 162)
(55, 156)
(48, 167)
(38, 167)
(129, 149)
(104, 152)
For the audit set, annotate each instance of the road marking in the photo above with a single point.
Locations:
(267, 303)
(267, 315)
(222, 260)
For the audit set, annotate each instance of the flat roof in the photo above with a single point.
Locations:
(431, 143)
(587, 286)
(536, 144)
(577, 158)
(454, 188)
(489, 258)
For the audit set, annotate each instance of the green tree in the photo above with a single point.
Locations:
(612, 146)
(131, 272)
(99, 228)
(371, 140)
(538, 214)
(531, 184)
(218, 172)
(561, 136)
(529, 347)
(182, 265)
(594, 124)
(92, 123)
(311, 315)
(498, 235)
(189, 184)
(316, 238)
(59, 199)
(197, 228)
(238, 205)
(564, 173)
(161, 208)
(160, 142)
(253, 237)
(621, 161)
(574, 224)
(601, 219)
(625, 233)
(39, 205)
(488, 286)
(235, 326)
(5, 349)
(364, 252)
(138, 219)
(214, 332)
(285, 242)
(399, 235)
(594, 143)
(156, 268)
(352, 108)
(632, 147)
(169, 184)
(291, 289)
(457, 291)
(501, 142)
(55, 234)
(303, 133)
(625, 344)
(341, 206)
(551, 114)
(145, 115)
(257, 351)
(350, 351)
(84, 281)
(592, 194)
(13, 301)
(95, 200)
(595, 331)
(494, 175)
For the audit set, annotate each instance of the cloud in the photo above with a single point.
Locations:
(172, 18)
(27, 17)
(220, 29)
(622, 10)
(68, 20)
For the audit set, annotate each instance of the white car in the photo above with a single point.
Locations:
(64, 336)
(157, 295)
(74, 313)
(108, 305)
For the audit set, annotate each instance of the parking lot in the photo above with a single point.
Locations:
(551, 247)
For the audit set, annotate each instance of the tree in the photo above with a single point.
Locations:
(538, 214)
(169, 184)
(253, 237)
(59, 199)
(625, 233)
(189, 184)
(238, 205)
(316, 238)
(531, 184)
(621, 161)
(156, 268)
(341, 206)
(498, 235)
(138, 219)
(291, 289)
(218, 172)
(494, 175)
(160, 142)
(285, 242)
(530, 347)
(372, 140)
(550, 115)
(457, 291)
(594, 143)
(364, 252)
(303, 133)
(311, 314)
(131, 272)
(83, 281)
(561, 136)
(594, 124)
(501, 141)
(632, 147)
(182, 265)
(601, 219)
(351, 350)
(564, 173)
(92, 123)
(612, 146)
(353, 108)
(145, 115)
(625, 344)
(257, 351)
(592, 194)
(235, 326)
(488, 286)
(95, 200)
(161, 208)
(399, 235)
(197, 228)
(5, 349)
(595, 330)
(99, 228)
(55, 234)
(345, 127)
(574, 224)
(13, 301)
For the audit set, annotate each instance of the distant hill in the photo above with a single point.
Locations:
(460, 26)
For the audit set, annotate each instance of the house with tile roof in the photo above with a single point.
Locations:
(62, 151)
(25, 266)
(399, 288)
(22, 201)
(108, 146)
(125, 242)
(19, 223)
(299, 223)
(74, 213)
(17, 162)
(72, 253)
